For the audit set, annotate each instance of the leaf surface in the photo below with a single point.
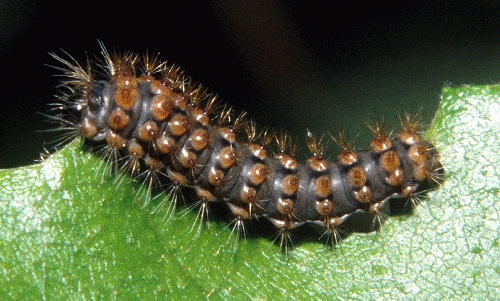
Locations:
(68, 232)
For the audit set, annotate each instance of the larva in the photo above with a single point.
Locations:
(150, 118)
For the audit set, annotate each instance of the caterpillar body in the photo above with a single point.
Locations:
(151, 119)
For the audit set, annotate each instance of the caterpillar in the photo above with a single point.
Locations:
(154, 122)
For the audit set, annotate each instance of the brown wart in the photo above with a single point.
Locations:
(118, 119)
(324, 207)
(380, 142)
(417, 153)
(356, 177)
(87, 129)
(258, 151)
(165, 144)
(153, 164)
(290, 184)
(177, 125)
(347, 155)
(258, 174)
(115, 140)
(287, 161)
(200, 116)
(228, 134)
(126, 90)
(396, 178)
(322, 187)
(161, 106)
(199, 139)
(389, 161)
(227, 157)
(135, 149)
(187, 159)
(363, 195)
(148, 131)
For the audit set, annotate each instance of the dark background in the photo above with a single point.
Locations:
(291, 64)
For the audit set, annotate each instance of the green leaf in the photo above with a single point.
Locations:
(69, 232)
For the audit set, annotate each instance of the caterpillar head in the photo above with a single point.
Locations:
(95, 107)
